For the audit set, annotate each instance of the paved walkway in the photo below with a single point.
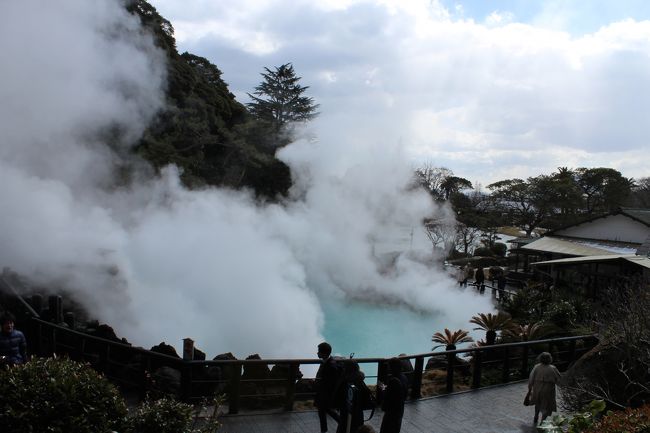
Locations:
(490, 410)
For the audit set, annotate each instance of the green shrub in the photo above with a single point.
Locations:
(160, 416)
(561, 314)
(627, 421)
(58, 395)
(483, 252)
(167, 415)
(577, 422)
(591, 420)
(499, 249)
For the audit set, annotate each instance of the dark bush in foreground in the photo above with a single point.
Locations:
(58, 395)
(160, 416)
(627, 421)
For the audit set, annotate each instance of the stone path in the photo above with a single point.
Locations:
(489, 410)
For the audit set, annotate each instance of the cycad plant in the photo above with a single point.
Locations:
(491, 323)
(450, 339)
(532, 331)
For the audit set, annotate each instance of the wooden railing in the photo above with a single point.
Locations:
(253, 384)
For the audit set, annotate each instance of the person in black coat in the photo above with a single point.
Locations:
(326, 383)
(394, 396)
(479, 277)
(501, 284)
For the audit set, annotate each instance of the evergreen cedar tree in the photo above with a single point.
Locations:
(203, 129)
(279, 99)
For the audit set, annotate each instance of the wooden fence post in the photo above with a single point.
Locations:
(82, 349)
(291, 387)
(524, 362)
(56, 309)
(36, 344)
(36, 301)
(476, 373)
(451, 357)
(233, 401)
(188, 349)
(145, 371)
(186, 381)
(416, 387)
(52, 341)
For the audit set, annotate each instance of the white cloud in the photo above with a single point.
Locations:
(497, 18)
(157, 261)
(512, 87)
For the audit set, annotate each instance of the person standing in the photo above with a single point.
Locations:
(469, 273)
(501, 284)
(541, 386)
(479, 277)
(327, 379)
(460, 276)
(394, 396)
(357, 393)
(13, 345)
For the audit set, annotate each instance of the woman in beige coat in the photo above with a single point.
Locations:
(541, 386)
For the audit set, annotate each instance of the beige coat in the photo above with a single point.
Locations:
(543, 379)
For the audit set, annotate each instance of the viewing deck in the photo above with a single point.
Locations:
(497, 409)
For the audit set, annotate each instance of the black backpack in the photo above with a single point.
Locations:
(365, 398)
(340, 389)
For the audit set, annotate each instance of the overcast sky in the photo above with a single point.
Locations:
(489, 89)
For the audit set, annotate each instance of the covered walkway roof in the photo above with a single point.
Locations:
(637, 260)
(571, 247)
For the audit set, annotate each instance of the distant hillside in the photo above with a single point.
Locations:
(205, 130)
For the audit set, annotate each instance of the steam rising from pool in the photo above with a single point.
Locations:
(160, 262)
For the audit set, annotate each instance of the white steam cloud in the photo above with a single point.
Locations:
(159, 262)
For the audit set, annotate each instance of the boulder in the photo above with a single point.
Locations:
(225, 370)
(107, 333)
(440, 363)
(256, 372)
(167, 380)
(225, 357)
(281, 371)
(165, 349)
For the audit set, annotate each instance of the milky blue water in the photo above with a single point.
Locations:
(377, 331)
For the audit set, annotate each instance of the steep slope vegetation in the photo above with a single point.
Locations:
(204, 130)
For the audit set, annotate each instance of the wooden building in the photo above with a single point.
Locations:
(591, 255)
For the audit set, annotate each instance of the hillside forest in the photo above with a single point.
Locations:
(216, 140)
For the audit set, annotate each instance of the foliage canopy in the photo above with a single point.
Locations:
(58, 395)
(279, 99)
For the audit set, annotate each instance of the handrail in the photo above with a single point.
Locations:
(194, 384)
(132, 365)
(138, 349)
(404, 357)
(503, 345)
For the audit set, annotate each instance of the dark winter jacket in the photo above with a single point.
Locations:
(13, 346)
(326, 382)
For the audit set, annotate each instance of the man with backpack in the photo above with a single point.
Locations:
(327, 380)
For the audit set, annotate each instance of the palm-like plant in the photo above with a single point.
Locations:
(532, 331)
(450, 339)
(491, 323)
